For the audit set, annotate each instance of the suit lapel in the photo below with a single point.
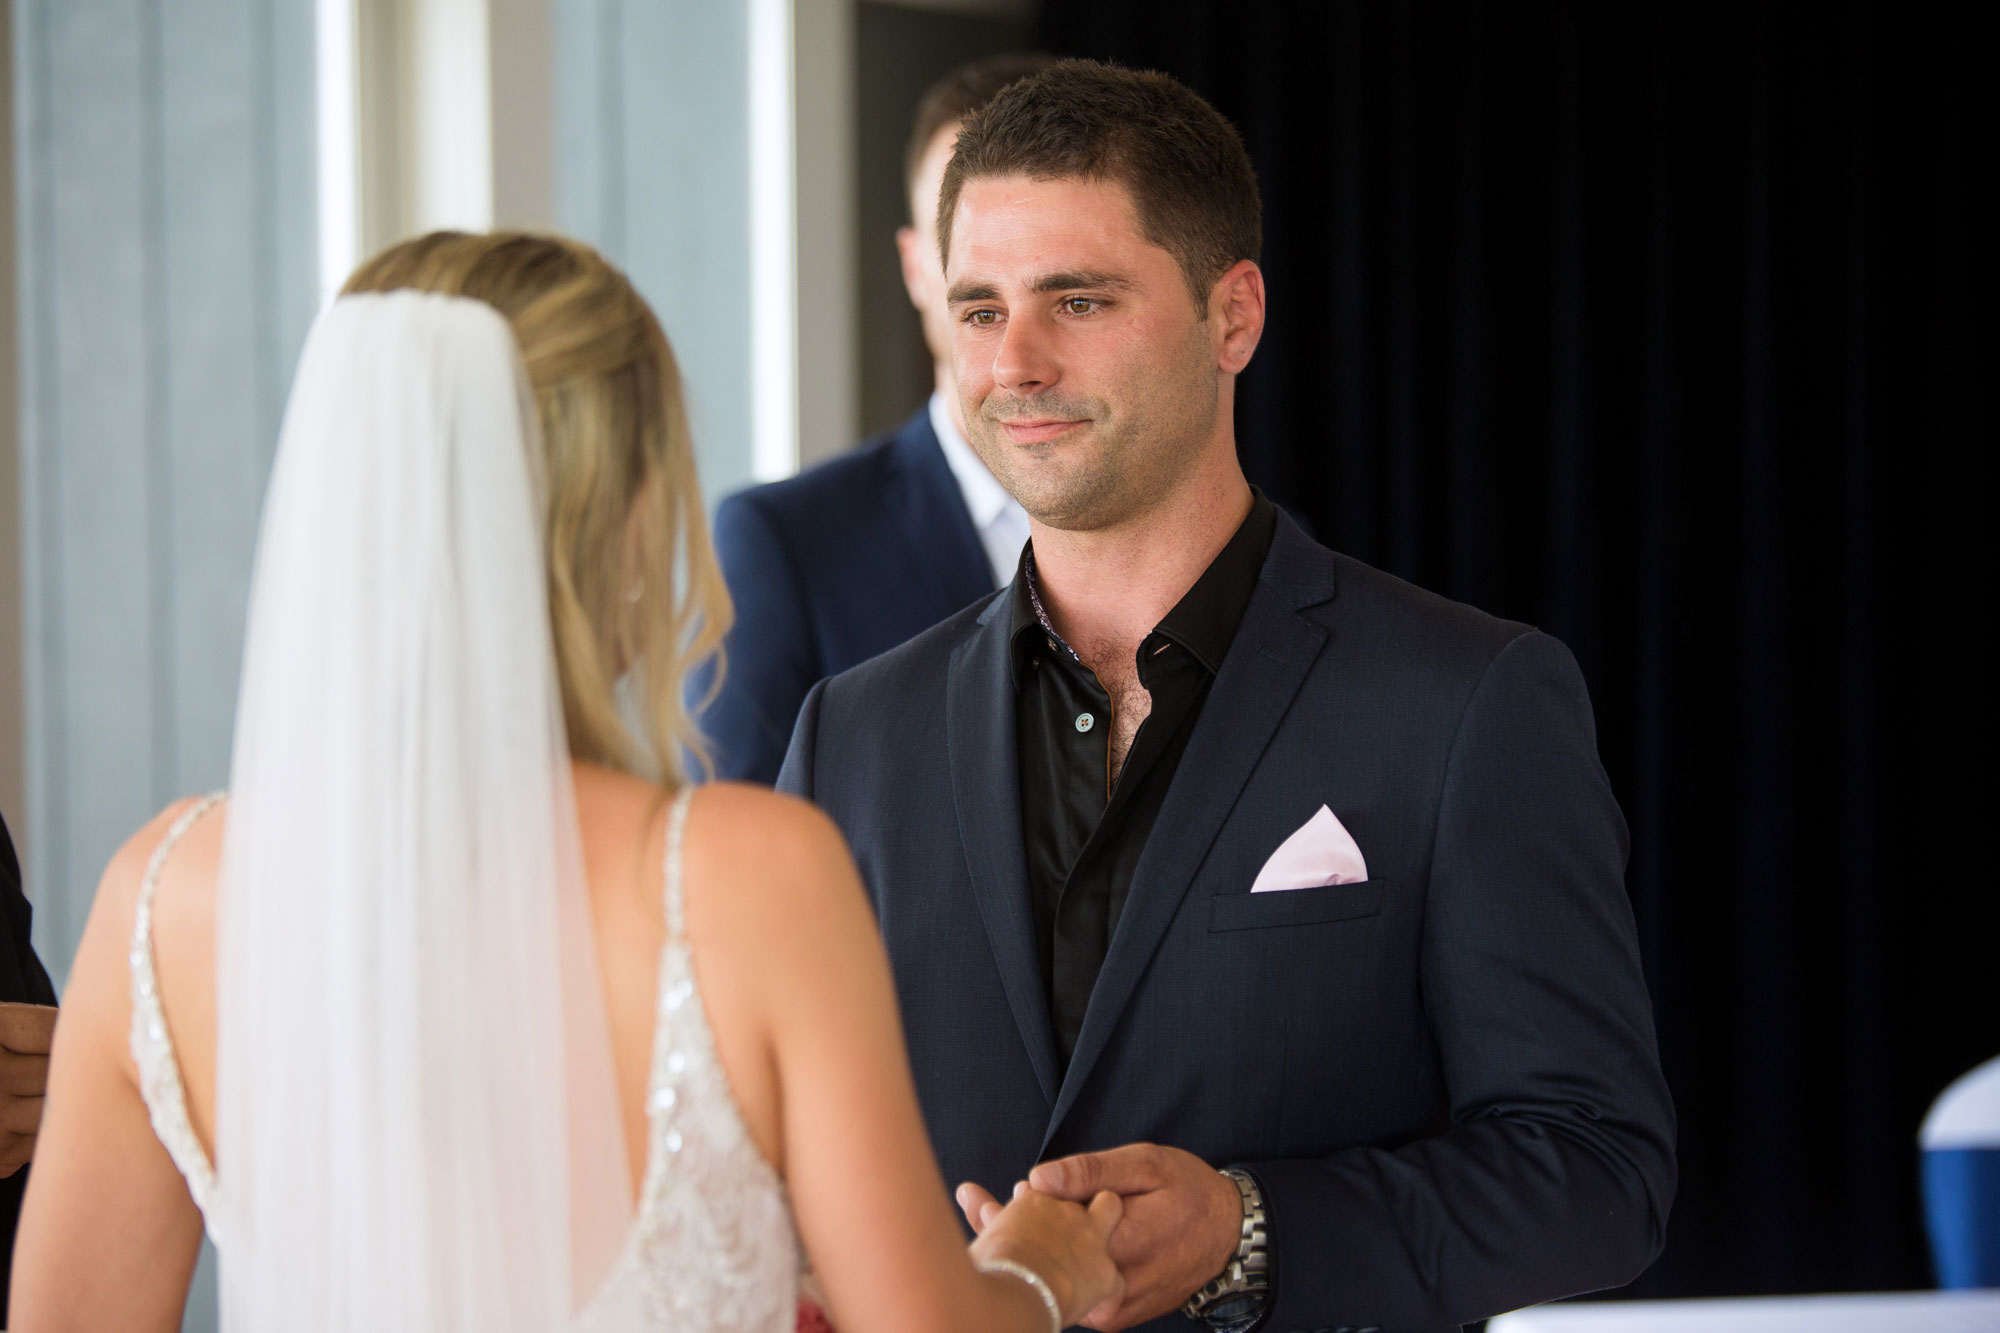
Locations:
(944, 547)
(1273, 651)
(979, 737)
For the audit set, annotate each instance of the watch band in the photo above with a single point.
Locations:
(1248, 1272)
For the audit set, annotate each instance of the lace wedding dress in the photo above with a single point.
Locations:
(713, 1247)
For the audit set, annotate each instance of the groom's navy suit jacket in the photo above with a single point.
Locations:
(1444, 1076)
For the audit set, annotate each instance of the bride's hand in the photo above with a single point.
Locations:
(1062, 1242)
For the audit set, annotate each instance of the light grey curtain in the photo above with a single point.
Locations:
(166, 210)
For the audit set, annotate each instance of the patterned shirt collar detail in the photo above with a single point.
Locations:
(1035, 600)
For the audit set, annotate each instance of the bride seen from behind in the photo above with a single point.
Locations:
(480, 1027)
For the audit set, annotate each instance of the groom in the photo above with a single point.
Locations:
(1216, 868)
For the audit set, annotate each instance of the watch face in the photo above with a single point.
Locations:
(1234, 1312)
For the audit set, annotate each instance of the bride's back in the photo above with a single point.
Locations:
(713, 1153)
(748, 854)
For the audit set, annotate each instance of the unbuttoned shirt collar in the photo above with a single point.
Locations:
(997, 517)
(1203, 622)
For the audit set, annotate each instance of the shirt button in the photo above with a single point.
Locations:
(1084, 722)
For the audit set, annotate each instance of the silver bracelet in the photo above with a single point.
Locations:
(1035, 1281)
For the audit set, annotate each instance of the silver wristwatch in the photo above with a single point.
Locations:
(1246, 1280)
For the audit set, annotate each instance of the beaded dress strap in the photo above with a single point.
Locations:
(675, 881)
(152, 1045)
(675, 1048)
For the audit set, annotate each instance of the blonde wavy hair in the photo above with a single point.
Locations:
(634, 588)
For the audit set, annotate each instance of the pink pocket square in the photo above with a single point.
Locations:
(1322, 852)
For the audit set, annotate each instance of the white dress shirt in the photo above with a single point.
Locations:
(997, 517)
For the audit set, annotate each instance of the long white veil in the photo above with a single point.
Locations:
(417, 1124)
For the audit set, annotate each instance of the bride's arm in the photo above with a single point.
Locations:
(873, 1211)
(108, 1235)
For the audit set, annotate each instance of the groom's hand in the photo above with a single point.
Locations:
(1181, 1224)
(26, 1033)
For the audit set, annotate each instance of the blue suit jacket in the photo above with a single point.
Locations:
(827, 569)
(1444, 1076)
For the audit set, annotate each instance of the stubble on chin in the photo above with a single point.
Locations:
(1117, 472)
(1083, 499)
(1068, 484)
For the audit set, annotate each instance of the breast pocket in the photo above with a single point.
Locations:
(1295, 907)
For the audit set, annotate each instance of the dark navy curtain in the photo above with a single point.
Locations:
(1666, 327)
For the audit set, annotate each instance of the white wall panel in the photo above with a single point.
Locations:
(652, 166)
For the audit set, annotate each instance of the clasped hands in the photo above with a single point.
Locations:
(1180, 1224)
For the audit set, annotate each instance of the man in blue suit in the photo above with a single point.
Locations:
(851, 558)
(1216, 868)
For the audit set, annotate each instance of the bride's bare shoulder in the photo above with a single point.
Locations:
(767, 836)
(746, 809)
(773, 893)
(97, 993)
(780, 865)
(192, 862)
(748, 840)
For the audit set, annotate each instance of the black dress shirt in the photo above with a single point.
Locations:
(1082, 832)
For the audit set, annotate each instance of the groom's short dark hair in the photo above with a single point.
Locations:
(960, 93)
(1183, 164)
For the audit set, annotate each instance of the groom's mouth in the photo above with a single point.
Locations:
(1037, 431)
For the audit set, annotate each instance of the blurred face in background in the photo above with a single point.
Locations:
(1092, 384)
(923, 275)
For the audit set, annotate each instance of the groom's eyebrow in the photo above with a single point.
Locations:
(963, 291)
(1072, 280)
(1080, 281)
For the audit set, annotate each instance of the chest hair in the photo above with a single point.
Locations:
(1131, 704)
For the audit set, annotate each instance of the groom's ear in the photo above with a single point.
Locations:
(918, 278)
